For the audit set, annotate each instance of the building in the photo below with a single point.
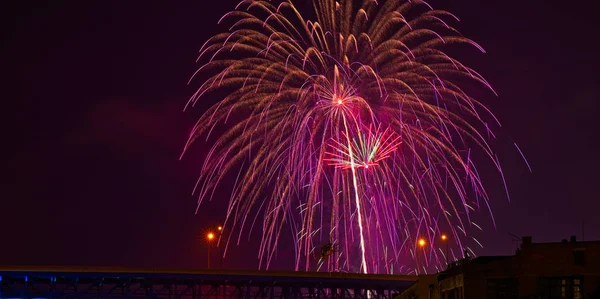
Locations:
(482, 277)
(565, 270)
(426, 287)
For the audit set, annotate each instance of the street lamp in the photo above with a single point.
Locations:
(220, 229)
(444, 238)
(209, 237)
(422, 244)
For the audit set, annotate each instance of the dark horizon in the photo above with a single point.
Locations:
(95, 129)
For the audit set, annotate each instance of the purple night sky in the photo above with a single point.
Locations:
(93, 95)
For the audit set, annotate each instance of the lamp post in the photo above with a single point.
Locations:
(209, 237)
(220, 230)
(422, 244)
(444, 238)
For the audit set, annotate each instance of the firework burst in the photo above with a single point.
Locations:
(368, 149)
(352, 128)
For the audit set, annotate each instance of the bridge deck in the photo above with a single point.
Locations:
(103, 282)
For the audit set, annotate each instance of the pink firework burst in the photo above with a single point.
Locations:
(366, 149)
(298, 96)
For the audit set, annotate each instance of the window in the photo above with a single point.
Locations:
(576, 288)
(579, 257)
(503, 288)
(560, 287)
(452, 294)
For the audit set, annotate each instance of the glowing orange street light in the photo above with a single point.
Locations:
(209, 237)
(220, 229)
(422, 244)
(445, 240)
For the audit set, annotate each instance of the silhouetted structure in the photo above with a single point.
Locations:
(425, 287)
(565, 270)
(123, 283)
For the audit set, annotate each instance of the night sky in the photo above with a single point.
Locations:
(92, 99)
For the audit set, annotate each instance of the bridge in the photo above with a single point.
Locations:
(128, 283)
